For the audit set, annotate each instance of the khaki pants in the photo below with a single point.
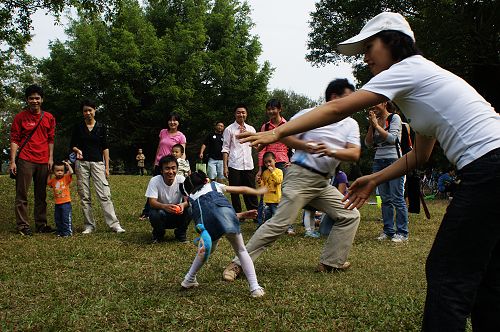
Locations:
(305, 187)
(27, 171)
(95, 170)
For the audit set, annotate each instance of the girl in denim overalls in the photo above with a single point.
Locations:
(212, 210)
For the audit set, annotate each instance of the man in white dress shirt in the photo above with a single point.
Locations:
(237, 157)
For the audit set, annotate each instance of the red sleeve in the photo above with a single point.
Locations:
(15, 129)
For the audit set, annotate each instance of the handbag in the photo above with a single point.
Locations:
(201, 166)
(12, 175)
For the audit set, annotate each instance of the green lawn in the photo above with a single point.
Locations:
(110, 282)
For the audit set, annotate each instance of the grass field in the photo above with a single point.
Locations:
(115, 282)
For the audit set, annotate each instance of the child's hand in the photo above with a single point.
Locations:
(270, 168)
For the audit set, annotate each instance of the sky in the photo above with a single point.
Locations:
(282, 27)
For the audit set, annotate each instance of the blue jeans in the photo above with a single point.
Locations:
(62, 218)
(463, 267)
(215, 169)
(392, 195)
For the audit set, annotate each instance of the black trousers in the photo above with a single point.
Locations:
(161, 220)
(242, 178)
(463, 267)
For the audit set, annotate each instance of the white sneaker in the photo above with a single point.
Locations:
(118, 229)
(398, 238)
(186, 284)
(312, 234)
(88, 230)
(259, 292)
(383, 237)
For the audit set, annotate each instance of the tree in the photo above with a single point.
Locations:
(193, 57)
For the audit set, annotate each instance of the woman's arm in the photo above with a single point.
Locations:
(105, 155)
(361, 189)
(330, 112)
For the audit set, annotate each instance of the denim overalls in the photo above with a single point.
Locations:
(214, 211)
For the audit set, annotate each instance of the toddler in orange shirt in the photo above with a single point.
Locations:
(62, 198)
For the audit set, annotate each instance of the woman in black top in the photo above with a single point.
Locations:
(90, 144)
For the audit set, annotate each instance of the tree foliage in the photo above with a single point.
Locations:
(462, 36)
(193, 57)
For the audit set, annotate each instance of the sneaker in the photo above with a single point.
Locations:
(312, 234)
(25, 232)
(383, 237)
(327, 268)
(88, 230)
(186, 284)
(398, 238)
(290, 230)
(118, 229)
(231, 272)
(259, 292)
(45, 229)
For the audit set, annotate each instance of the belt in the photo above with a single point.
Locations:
(311, 169)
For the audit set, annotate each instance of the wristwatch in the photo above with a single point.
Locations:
(334, 153)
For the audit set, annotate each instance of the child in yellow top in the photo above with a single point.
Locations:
(62, 197)
(271, 177)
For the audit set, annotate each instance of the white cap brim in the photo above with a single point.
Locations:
(382, 22)
(356, 44)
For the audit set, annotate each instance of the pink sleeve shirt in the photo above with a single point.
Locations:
(279, 149)
(167, 141)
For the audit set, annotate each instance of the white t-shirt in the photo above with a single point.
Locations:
(440, 104)
(157, 188)
(335, 135)
(207, 188)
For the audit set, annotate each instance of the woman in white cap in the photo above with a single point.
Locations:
(463, 267)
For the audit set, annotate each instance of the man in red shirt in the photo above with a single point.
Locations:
(34, 161)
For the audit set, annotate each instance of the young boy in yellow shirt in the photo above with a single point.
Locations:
(271, 177)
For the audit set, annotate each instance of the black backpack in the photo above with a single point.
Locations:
(405, 144)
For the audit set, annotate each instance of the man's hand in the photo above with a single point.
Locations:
(13, 167)
(50, 163)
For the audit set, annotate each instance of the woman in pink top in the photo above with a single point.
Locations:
(168, 138)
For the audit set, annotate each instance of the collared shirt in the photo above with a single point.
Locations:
(240, 155)
(279, 149)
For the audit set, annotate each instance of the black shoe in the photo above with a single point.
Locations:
(25, 232)
(45, 229)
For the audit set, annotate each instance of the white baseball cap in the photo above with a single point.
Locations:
(381, 22)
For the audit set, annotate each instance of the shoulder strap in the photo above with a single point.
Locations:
(212, 184)
(388, 121)
(30, 134)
